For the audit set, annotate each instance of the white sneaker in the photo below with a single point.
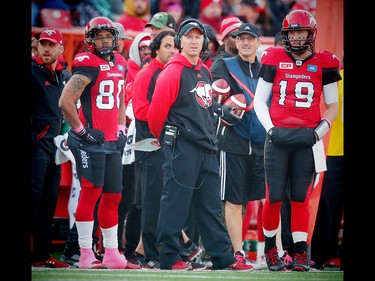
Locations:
(261, 261)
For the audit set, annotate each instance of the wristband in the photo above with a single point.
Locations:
(122, 128)
(322, 129)
(79, 129)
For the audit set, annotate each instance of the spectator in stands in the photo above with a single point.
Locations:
(49, 77)
(228, 49)
(174, 8)
(89, 9)
(250, 11)
(191, 8)
(211, 13)
(136, 14)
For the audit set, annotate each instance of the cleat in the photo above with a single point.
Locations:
(51, 262)
(274, 263)
(152, 264)
(87, 260)
(300, 262)
(113, 259)
(181, 266)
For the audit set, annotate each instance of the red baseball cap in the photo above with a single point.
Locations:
(51, 34)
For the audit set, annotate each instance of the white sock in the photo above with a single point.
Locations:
(84, 229)
(260, 249)
(110, 237)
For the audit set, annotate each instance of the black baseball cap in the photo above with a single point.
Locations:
(185, 29)
(247, 28)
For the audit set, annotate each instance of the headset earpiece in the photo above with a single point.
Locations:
(177, 37)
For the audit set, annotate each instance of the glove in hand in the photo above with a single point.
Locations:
(91, 135)
(121, 141)
(225, 113)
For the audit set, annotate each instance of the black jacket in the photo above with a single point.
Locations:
(46, 116)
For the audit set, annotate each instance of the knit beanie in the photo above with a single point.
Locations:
(229, 24)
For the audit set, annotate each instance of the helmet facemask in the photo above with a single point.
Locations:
(93, 28)
(308, 43)
(299, 20)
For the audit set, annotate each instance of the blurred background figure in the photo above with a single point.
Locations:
(136, 13)
(123, 40)
(211, 13)
(174, 8)
(213, 46)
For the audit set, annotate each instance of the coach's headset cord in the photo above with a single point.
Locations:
(212, 157)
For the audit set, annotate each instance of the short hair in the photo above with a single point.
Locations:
(156, 43)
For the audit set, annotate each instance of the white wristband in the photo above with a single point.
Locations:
(322, 128)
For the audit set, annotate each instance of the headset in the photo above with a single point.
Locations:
(177, 38)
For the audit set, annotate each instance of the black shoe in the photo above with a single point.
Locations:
(136, 258)
(73, 260)
(152, 264)
(274, 263)
(300, 262)
(196, 265)
(191, 252)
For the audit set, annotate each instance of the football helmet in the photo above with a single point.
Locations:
(299, 20)
(93, 27)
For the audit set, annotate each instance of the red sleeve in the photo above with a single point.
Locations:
(141, 88)
(167, 88)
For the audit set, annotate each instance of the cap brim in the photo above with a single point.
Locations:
(50, 40)
(155, 24)
(190, 28)
(247, 32)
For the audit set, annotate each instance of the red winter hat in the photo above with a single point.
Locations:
(51, 34)
(229, 24)
(205, 3)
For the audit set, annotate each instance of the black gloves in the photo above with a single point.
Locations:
(121, 141)
(91, 135)
(292, 137)
(225, 113)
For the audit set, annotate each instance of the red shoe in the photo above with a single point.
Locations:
(181, 266)
(239, 266)
(334, 262)
(51, 262)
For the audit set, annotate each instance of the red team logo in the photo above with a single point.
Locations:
(203, 94)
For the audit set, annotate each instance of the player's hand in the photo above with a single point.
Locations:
(226, 113)
(91, 135)
(121, 141)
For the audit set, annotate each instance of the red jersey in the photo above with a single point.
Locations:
(99, 104)
(297, 85)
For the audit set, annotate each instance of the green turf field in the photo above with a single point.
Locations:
(164, 275)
